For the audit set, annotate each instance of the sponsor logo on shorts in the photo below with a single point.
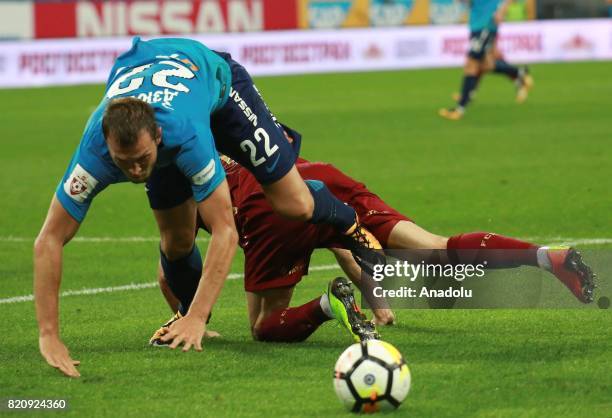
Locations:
(205, 175)
(270, 168)
(80, 184)
(252, 117)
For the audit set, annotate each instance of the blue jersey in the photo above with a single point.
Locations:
(185, 83)
(482, 15)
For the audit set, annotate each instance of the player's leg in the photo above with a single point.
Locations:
(502, 67)
(173, 303)
(519, 75)
(407, 235)
(396, 231)
(246, 130)
(272, 319)
(171, 300)
(170, 197)
(480, 44)
(498, 251)
(180, 258)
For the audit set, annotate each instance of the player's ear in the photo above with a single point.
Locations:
(158, 137)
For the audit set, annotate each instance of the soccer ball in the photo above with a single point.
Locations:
(371, 376)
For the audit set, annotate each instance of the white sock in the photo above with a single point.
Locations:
(543, 260)
(324, 302)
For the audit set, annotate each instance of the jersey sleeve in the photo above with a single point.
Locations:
(81, 182)
(199, 161)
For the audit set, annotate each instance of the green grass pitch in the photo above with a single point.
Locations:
(541, 170)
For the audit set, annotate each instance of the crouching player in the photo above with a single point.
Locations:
(277, 254)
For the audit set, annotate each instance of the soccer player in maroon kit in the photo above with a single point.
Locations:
(277, 253)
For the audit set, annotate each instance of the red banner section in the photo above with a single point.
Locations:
(161, 17)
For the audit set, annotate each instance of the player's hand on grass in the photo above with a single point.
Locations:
(188, 331)
(383, 317)
(56, 354)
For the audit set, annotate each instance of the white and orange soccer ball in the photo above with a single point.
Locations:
(371, 376)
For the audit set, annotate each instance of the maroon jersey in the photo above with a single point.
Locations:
(277, 250)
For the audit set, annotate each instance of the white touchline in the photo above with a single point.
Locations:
(134, 286)
(12, 238)
(232, 276)
(550, 240)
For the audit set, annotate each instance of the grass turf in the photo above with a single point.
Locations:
(539, 170)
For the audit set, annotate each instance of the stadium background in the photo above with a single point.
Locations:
(73, 42)
(539, 171)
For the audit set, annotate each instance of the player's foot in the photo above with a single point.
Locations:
(571, 270)
(156, 338)
(347, 313)
(525, 83)
(451, 114)
(365, 248)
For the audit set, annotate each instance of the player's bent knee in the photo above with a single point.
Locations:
(259, 333)
(472, 66)
(256, 334)
(177, 246)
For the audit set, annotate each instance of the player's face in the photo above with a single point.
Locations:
(137, 161)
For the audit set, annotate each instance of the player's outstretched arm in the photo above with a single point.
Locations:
(216, 211)
(58, 229)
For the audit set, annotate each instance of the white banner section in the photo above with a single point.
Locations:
(79, 61)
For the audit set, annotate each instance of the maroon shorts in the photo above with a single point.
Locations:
(277, 251)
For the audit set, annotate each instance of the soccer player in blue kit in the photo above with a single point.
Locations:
(169, 106)
(483, 56)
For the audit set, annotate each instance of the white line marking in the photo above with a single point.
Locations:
(233, 276)
(11, 238)
(134, 286)
(550, 240)
(580, 241)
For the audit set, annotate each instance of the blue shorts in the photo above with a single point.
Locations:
(481, 42)
(246, 131)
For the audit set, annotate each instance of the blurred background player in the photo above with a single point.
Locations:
(484, 56)
(277, 254)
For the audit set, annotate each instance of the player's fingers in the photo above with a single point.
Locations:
(76, 362)
(52, 362)
(187, 346)
(56, 361)
(176, 341)
(68, 369)
(167, 335)
(198, 345)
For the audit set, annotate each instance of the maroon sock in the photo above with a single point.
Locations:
(496, 250)
(292, 324)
